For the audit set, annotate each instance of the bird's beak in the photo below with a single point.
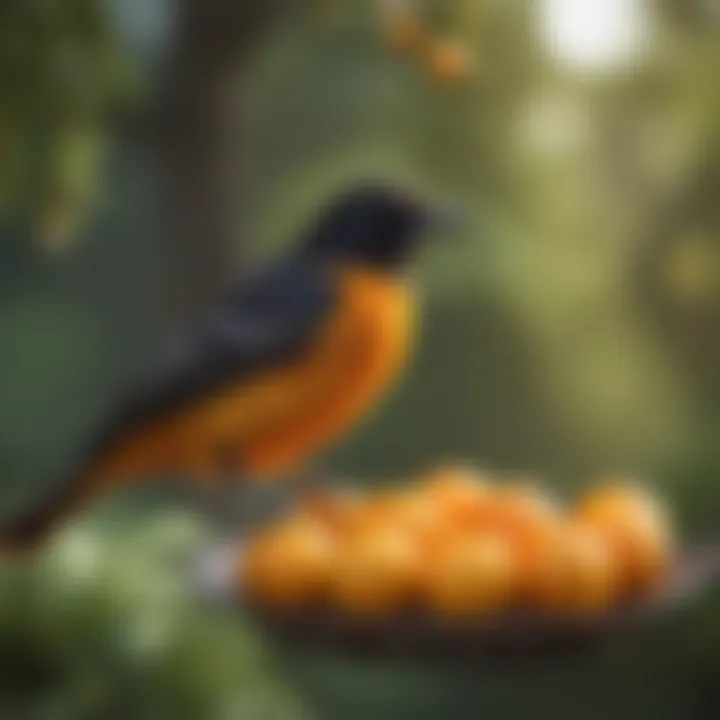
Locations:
(444, 221)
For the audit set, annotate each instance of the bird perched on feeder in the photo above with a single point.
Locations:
(283, 367)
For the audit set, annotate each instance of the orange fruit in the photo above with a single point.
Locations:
(534, 545)
(404, 31)
(378, 573)
(536, 557)
(524, 509)
(575, 572)
(289, 565)
(527, 518)
(460, 494)
(368, 514)
(472, 575)
(412, 513)
(449, 60)
(638, 528)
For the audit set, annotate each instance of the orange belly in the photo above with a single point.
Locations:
(273, 422)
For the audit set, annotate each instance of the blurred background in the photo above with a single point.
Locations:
(153, 150)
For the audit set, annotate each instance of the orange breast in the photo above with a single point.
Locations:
(343, 376)
(275, 421)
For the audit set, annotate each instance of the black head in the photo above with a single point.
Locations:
(378, 225)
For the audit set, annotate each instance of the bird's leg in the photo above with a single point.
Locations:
(242, 502)
(254, 503)
(239, 503)
(217, 472)
(308, 482)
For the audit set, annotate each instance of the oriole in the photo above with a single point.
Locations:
(284, 366)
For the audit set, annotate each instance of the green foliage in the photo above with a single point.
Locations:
(106, 625)
(61, 74)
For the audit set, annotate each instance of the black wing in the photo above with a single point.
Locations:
(264, 323)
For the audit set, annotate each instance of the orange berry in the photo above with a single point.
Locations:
(535, 558)
(365, 516)
(412, 513)
(289, 565)
(460, 494)
(524, 509)
(534, 554)
(638, 528)
(472, 575)
(378, 574)
(404, 31)
(449, 60)
(573, 573)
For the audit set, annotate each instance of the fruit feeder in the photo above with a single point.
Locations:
(460, 566)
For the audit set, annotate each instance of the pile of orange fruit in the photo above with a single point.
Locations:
(459, 543)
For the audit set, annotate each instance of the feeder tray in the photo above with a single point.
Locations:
(514, 636)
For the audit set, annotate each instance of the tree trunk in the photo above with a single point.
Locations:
(195, 134)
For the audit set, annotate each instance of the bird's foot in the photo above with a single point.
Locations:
(310, 483)
(240, 504)
(318, 490)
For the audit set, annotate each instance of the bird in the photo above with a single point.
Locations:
(285, 364)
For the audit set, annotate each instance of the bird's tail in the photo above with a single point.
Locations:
(31, 530)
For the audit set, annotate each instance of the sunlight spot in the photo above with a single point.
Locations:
(594, 35)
